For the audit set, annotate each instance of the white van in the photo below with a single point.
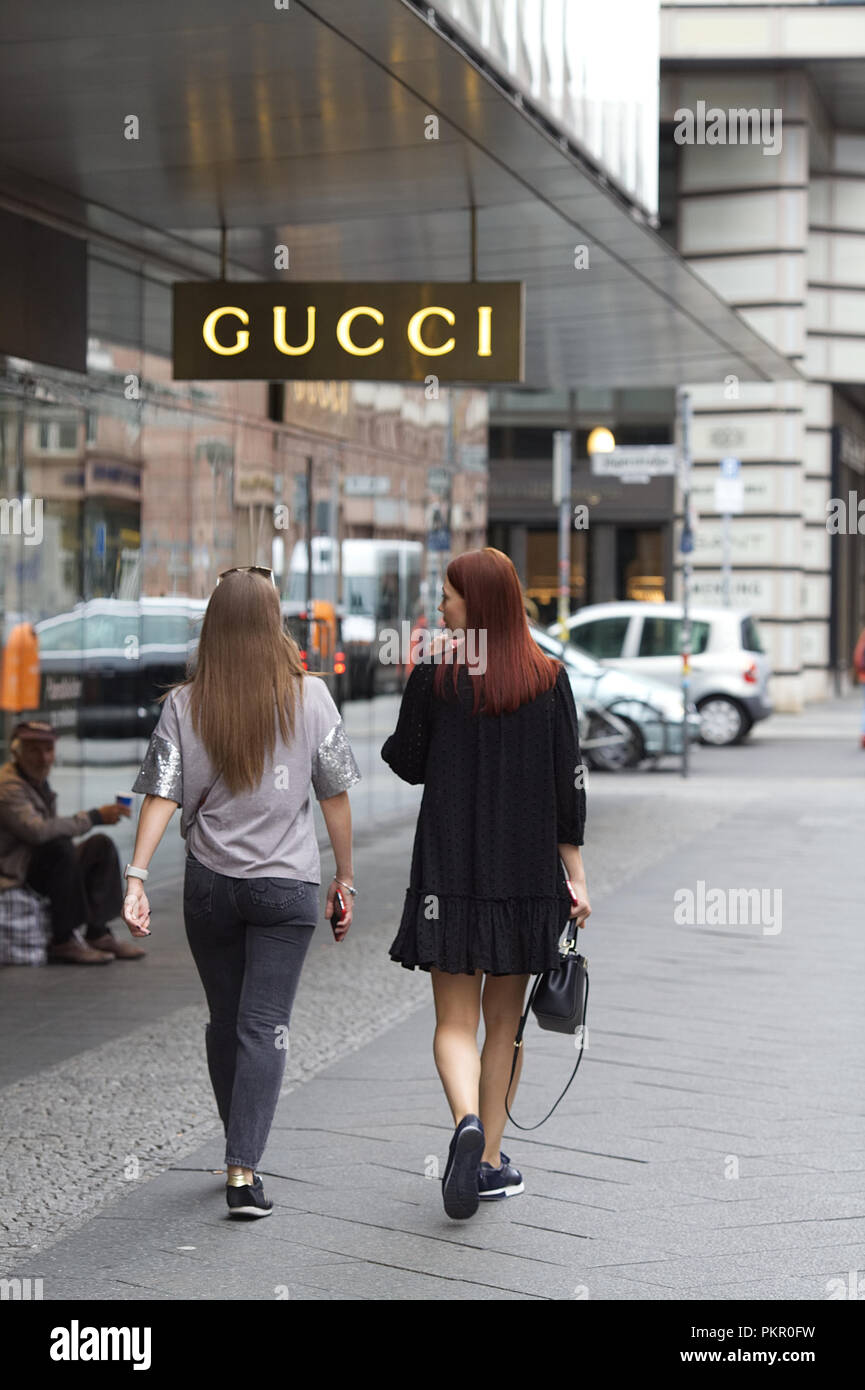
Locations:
(380, 589)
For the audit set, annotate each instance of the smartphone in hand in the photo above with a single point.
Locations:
(575, 901)
(338, 911)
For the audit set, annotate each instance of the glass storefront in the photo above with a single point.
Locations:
(640, 563)
(123, 493)
(542, 568)
(621, 542)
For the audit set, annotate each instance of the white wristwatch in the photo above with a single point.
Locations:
(131, 872)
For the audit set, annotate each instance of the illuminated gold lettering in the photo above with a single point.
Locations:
(343, 331)
(279, 331)
(485, 330)
(208, 332)
(325, 394)
(416, 323)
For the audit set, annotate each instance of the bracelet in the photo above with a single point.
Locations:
(351, 890)
(131, 872)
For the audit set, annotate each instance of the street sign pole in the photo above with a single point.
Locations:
(726, 559)
(309, 469)
(729, 501)
(562, 496)
(686, 546)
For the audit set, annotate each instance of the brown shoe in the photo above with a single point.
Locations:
(74, 952)
(123, 950)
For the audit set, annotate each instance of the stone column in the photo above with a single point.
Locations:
(742, 223)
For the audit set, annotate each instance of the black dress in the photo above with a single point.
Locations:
(501, 792)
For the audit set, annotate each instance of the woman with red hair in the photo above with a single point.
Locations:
(488, 724)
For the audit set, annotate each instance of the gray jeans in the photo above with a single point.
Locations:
(249, 937)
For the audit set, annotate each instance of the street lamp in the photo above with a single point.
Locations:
(600, 441)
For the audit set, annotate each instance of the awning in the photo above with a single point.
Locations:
(306, 127)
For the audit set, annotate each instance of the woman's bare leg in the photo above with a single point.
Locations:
(455, 1047)
(503, 1003)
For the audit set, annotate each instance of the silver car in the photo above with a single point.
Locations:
(651, 714)
(729, 667)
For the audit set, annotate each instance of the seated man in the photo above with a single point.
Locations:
(83, 881)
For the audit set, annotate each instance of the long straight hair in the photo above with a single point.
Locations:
(517, 671)
(246, 664)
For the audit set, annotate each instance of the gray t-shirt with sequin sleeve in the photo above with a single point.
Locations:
(267, 833)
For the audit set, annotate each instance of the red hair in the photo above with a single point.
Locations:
(517, 671)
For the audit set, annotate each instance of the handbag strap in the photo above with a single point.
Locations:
(518, 1042)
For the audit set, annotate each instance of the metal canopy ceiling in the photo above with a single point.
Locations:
(306, 127)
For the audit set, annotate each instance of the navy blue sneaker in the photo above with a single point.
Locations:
(460, 1182)
(494, 1183)
(248, 1200)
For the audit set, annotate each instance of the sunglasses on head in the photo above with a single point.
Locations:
(248, 569)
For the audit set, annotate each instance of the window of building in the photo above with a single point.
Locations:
(58, 436)
(639, 559)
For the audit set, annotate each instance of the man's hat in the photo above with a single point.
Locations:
(34, 729)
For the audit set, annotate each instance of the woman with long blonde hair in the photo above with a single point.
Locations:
(238, 747)
(489, 725)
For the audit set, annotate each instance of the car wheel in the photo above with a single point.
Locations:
(618, 755)
(722, 721)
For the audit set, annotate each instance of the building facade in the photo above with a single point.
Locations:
(622, 535)
(492, 141)
(763, 193)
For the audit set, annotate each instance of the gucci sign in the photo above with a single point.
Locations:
(393, 331)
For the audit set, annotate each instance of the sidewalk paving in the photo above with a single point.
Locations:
(713, 1143)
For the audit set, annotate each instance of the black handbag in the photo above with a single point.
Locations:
(559, 999)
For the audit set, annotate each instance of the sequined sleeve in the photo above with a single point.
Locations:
(334, 768)
(161, 771)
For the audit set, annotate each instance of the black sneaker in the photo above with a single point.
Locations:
(460, 1182)
(494, 1183)
(249, 1200)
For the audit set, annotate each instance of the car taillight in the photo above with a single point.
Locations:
(303, 659)
(752, 675)
(339, 664)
